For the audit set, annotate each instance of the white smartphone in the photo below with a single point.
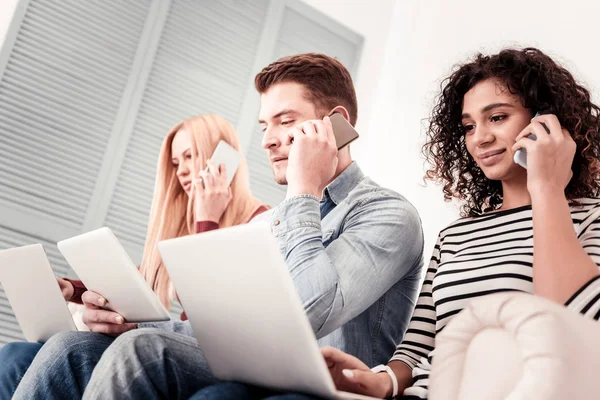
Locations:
(33, 293)
(226, 154)
(105, 268)
(520, 156)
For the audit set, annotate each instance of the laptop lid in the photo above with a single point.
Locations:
(245, 312)
(33, 293)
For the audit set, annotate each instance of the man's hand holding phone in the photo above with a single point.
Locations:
(212, 193)
(312, 160)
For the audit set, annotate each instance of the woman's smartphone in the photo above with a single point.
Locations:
(225, 154)
(342, 130)
(520, 156)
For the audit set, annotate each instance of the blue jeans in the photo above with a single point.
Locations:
(142, 363)
(239, 391)
(63, 366)
(150, 364)
(15, 359)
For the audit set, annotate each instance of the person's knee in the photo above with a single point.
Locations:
(138, 343)
(66, 341)
(66, 346)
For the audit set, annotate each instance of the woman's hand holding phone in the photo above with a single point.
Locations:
(212, 195)
(549, 157)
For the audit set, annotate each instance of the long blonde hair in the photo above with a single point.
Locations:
(171, 214)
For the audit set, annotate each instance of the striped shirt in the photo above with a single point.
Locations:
(481, 255)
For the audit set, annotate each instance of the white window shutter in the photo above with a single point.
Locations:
(58, 99)
(60, 90)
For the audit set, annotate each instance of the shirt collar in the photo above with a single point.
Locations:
(345, 182)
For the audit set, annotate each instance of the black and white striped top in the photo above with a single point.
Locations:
(481, 255)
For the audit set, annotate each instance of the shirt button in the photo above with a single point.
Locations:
(276, 222)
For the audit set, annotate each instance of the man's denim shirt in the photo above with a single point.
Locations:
(355, 258)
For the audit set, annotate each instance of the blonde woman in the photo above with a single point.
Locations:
(187, 200)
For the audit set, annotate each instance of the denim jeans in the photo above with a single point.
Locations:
(63, 366)
(240, 391)
(149, 364)
(15, 359)
(67, 361)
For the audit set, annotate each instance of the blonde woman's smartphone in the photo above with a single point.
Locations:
(226, 154)
(342, 130)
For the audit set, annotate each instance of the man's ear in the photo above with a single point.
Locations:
(341, 110)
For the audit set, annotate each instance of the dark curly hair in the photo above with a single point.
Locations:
(542, 85)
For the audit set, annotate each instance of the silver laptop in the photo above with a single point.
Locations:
(246, 315)
(33, 293)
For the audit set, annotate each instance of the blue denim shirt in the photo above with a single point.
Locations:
(355, 258)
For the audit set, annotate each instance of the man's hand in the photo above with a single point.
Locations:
(313, 157)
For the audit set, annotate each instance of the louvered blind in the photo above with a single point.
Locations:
(302, 31)
(58, 99)
(59, 95)
(77, 75)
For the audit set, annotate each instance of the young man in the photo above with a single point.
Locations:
(353, 248)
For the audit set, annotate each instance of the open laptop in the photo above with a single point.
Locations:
(33, 293)
(245, 312)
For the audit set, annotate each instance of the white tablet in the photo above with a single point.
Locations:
(33, 293)
(105, 268)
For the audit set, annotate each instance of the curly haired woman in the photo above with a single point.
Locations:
(534, 230)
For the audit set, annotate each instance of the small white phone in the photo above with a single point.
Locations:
(520, 156)
(226, 154)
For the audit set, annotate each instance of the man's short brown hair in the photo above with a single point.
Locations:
(327, 81)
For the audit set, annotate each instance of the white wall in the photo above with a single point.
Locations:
(371, 19)
(426, 39)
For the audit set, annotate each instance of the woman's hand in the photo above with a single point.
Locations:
(213, 195)
(100, 320)
(352, 375)
(66, 288)
(549, 157)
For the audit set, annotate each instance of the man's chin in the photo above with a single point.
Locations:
(281, 180)
(279, 175)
